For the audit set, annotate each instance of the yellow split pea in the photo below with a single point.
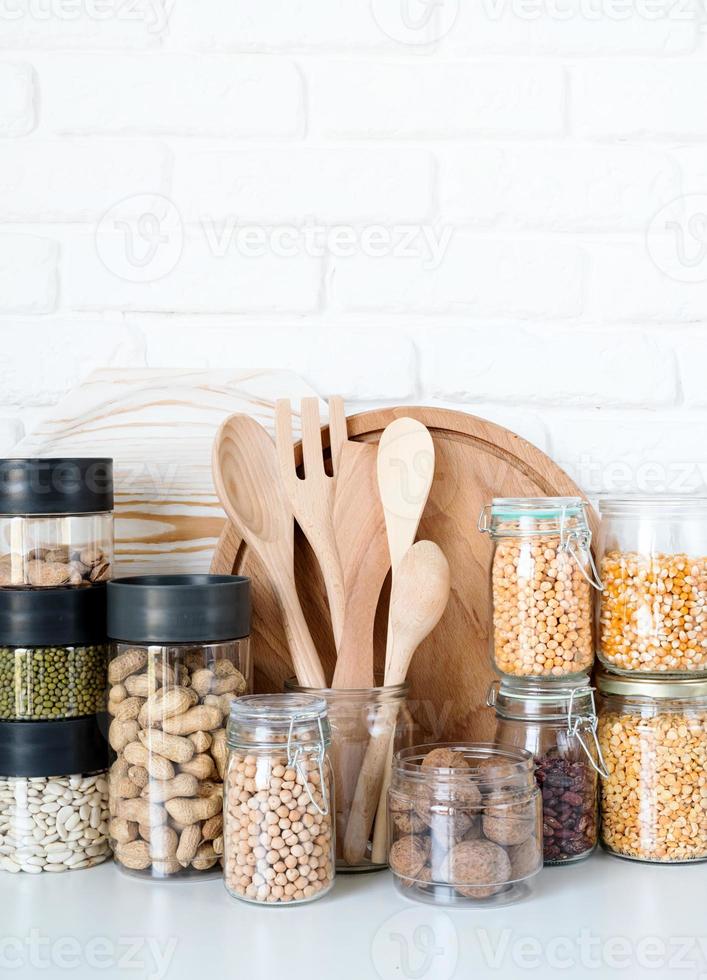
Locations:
(654, 801)
(541, 609)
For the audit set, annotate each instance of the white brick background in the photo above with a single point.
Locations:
(170, 168)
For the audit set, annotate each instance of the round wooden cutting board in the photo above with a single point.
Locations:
(451, 672)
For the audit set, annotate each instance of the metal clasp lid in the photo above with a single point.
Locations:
(576, 542)
(484, 523)
(295, 760)
(577, 724)
(492, 693)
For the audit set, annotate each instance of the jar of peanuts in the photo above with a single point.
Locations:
(558, 726)
(279, 809)
(653, 737)
(542, 574)
(652, 615)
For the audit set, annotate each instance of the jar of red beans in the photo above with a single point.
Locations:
(558, 727)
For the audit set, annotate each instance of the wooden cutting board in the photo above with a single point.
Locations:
(450, 675)
(159, 424)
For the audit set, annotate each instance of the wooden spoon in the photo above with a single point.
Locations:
(418, 599)
(247, 479)
(359, 529)
(405, 466)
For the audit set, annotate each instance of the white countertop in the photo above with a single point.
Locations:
(600, 918)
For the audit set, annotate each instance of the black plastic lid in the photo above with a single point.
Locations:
(54, 748)
(179, 608)
(52, 617)
(56, 486)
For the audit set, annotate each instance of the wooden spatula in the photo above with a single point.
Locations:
(247, 479)
(359, 528)
(418, 599)
(312, 498)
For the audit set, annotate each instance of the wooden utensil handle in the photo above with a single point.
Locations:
(305, 659)
(368, 788)
(379, 852)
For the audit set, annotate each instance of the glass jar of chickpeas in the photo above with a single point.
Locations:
(542, 574)
(652, 615)
(653, 738)
(278, 800)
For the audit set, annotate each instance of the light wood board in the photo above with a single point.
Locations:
(475, 461)
(159, 426)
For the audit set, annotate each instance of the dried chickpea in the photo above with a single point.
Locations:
(542, 622)
(653, 614)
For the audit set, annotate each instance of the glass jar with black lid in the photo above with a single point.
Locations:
(56, 522)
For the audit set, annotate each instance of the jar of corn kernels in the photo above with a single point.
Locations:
(652, 613)
(653, 737)
(542, 574)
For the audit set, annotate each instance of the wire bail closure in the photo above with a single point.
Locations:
(576, 543)
(576, 724)
(295, 761)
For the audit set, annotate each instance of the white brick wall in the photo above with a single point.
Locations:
(502, 208)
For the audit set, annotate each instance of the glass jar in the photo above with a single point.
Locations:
(653, 610)
(180, 655)
(53, 795)
(542, 574)
(53, 653)
(56, 522)
(653, 735)
(278, 800)
(465, 824)
(558, 727)
(361, 721)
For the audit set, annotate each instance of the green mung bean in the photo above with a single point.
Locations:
(51, 682)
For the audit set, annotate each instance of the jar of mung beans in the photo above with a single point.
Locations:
(653, 737)
(652, 615)
(542, 574)
(56, 522)
(53, 653)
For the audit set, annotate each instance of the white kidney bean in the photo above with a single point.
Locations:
(54, 825)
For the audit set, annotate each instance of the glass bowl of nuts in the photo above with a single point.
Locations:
(465, 824)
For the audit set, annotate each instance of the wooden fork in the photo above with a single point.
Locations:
(312, 498)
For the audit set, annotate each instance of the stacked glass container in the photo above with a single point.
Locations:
(542, 647)
(652, 644)
(56, 552)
